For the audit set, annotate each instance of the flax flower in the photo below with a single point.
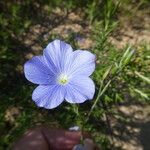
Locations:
(61, 74)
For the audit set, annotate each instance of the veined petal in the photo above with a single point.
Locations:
(48, 96)
(56, 54)
(79, 89)
(81, 63)
(37, 71)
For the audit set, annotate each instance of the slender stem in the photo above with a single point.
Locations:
(100, 93)
(108, 122)
(76, 110)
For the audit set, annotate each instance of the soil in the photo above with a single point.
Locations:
(133, 133)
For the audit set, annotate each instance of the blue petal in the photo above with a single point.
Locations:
(48, 96)
(38, 72)
(79, 89)
(56, 54)
(81, 63)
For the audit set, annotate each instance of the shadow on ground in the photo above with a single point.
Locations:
(145, 135)
(131, 127)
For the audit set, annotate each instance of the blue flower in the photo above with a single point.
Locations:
(62, 74)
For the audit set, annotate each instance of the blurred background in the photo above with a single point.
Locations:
(117, 31)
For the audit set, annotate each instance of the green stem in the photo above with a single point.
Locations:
(76, 110)
(100, 93)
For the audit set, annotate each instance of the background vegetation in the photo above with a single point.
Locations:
(121, 76)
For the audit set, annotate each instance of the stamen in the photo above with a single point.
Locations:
(63, 79)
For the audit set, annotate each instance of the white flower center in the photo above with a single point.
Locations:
(63, 79)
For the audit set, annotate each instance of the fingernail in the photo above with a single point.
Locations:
(74, 128)
(79, 147)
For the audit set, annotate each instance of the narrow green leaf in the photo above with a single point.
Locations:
(128, 58)
(106, 73)
(142, 77)
(142, 94)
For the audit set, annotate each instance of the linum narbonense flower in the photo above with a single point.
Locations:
(62, 74)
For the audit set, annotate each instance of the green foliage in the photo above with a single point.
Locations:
(119, 72)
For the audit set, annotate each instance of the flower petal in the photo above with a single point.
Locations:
(48, 96)
(37, 71)
(79, 89)
(82, 63)
(56, 54)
